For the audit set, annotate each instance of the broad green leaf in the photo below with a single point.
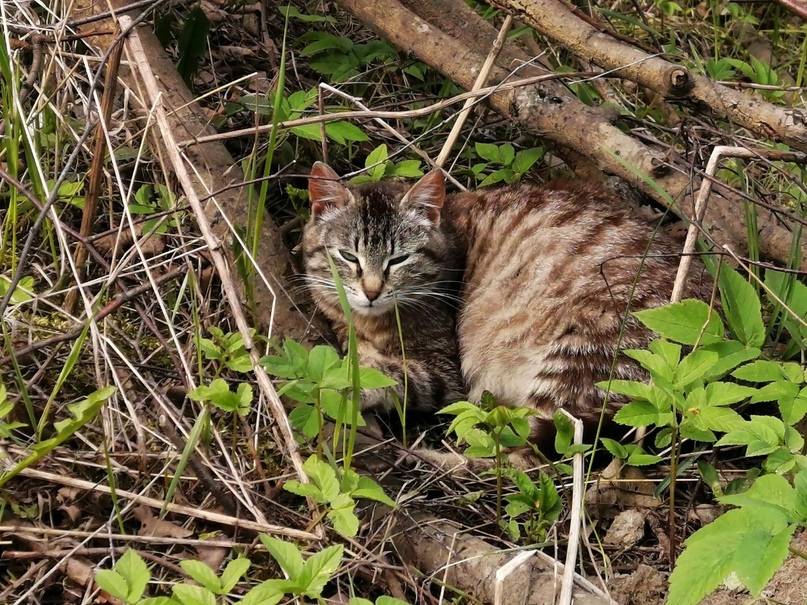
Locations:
(321, 359)
(408, 169)
(760, 370)
(800, 485)
(766, 491)
(642, 459)
(742, 307)
(503, 174)
(564, 432)
(653, 363)
(732, 354)
(286, 554)
(688, 322)
(343, 132)
(233, 572)
(525, 159)
(269, 592)
(342, 517)
(793, 409)
(506, 154)
(385, 600)
(720, 419)
(637, 413)
(488, 151)
(694, 366)
(359, 601)
(370, 490)
(318, 570)
(376, 156)
(112, 583)
(631, 388)
(202, 574)
(136, 573)
(616, 449)
(371, 378)
(726, 393)
(310, 132)
(761, 555)
(193, 595)
(323, 476)
(774, 391)
(457, 408)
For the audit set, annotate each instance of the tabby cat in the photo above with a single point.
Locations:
(548, 273)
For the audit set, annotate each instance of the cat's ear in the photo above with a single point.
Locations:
(427, 195)
(324, 189)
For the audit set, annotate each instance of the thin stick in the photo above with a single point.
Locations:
(99, 535)
(484, 72)
(505, 570)
(700, 210)
(214, 245)
(391, 115)
(576, 519)
(96, 169)
(188, 511)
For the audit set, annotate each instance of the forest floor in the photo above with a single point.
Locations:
(135, 412)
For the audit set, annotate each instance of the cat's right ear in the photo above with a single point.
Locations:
(324, 189)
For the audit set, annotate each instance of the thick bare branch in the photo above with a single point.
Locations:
(554, 19)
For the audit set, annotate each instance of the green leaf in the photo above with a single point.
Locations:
(525, 159)
(408, 169)
(371, 378)
(506, 154)
(732, 354)
(359, 601)
(693, 367)
(321, 359)
(761, 555)
(775, 391)
(631, 388)
(385, 600)
(342, 517)
(376, 156)
(640, 458)
(318, 570)
(719, 419)
(688, 322)
(637, 413)
(112, 583)
(193, 595)
(310, 132)
(564, 432)
(269, 592)
(202, 574)
(488, 151)
(343, 132)
(760, 370)
(504, 174)
(136, 573)
(292, 12)
(368, 489)
(233, 572)
(616, 449)
(726, 393)
(157, 601)
(766, 491)
(286, 554)
(742, 308)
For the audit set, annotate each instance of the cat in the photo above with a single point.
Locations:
(547, 275)
(389, 246)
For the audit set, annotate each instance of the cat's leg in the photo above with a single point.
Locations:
(424, 384)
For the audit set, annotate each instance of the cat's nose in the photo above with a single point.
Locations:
(372, 288)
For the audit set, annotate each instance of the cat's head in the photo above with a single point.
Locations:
(385, 240)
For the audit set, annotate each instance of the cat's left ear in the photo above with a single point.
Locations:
(427, 195)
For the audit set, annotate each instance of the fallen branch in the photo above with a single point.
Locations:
(554, 19)
(439, 548)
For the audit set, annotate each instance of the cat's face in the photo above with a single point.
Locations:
(384, 239)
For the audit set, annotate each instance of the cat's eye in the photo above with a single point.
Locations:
(351, 258)
(397, 260)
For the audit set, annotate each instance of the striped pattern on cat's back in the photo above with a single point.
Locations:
(549, 272)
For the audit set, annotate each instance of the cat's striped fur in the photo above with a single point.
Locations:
(548, 272)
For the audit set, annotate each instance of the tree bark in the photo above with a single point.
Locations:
(548, 110)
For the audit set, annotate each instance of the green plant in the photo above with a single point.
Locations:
(699, 395)
(509, 165)
(219, 394)
(292, 108)
(23, 292)
(81, 413)
(153, 199)
(320, 382)
(378, 166)
(6, 407)
(339, 496)
(533, 509)
(488, 428)
(339, 57)
(228, 349)
(382, 600)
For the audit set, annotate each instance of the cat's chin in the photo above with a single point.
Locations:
(374, 311)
